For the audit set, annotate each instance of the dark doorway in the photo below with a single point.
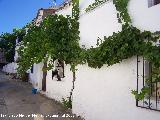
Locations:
(44, 77)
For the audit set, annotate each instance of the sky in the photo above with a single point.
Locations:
(17, 13)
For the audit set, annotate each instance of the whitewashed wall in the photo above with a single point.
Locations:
(143, 17)
(105, 94)
(36, 77)
(10, 68)
(59, 89)
(98, 23)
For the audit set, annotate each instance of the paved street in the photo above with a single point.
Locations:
(16, 98)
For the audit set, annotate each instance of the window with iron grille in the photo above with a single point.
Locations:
(153, 2)
(58, 72)
(145, 77)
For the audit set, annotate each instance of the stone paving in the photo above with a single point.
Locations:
(16, 98)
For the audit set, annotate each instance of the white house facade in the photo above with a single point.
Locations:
(105, 93)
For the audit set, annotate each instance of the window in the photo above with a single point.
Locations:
(156, 2)
(146, 77)
(58, 72)
(153, 2)
(32, 68)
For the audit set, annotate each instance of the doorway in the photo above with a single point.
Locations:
(44, 77)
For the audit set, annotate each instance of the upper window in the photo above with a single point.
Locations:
(153, 2)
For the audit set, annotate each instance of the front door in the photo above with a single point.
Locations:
(44, 77)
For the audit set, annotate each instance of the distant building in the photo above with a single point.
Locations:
(42, 13)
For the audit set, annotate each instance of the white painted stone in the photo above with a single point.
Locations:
(104, 94)
(36, 77)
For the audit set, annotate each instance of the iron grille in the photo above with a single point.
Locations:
(152, 99)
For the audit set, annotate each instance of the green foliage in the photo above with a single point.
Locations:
(122, 15)
(7, 43)
(142, 94)
(67, 103)
(19, 33)
(75, 9)
(123, 45)
(95, 5)
(57, 37)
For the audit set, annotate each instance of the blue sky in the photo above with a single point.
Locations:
(17, 13)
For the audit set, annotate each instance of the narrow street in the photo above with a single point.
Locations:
(17, 100)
